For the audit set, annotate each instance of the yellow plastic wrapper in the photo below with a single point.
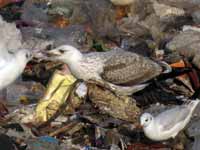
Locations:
(57, 92)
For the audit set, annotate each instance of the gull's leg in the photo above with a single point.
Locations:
(167, 67)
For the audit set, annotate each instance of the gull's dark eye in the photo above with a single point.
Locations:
(27, 55)
(146, 120)
(61, 51)
(49, 47)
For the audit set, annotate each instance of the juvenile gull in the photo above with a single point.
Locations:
(168, 123)
(12, 65)
(123, 71)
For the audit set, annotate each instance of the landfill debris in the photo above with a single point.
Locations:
(3, 110)
(56, 94)
(43, 143)
(24, 93)
(6, 2)
(119, 107)
(48, 105)
(6, 142)
(186, 46)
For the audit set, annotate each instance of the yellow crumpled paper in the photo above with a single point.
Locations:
(57, 92)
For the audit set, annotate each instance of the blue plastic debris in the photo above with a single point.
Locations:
(87, 148)
(48, 139)
(43, 143)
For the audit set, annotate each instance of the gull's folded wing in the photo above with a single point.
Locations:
(127, 68)
(170, 118)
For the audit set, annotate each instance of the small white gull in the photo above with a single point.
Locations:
(169, 123)
(12, 65)
(12, 58)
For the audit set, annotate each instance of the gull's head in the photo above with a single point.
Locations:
(64, 53)
(24, 55)
(146, 119)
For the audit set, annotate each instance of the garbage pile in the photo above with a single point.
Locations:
(99, 75)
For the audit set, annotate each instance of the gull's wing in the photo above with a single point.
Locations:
(168, 119)
(127, 68)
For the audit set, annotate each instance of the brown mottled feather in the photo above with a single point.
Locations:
(129, 69)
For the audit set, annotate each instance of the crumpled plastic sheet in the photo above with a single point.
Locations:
(43, 37)
(164, 11)
(34, 14)
(24, 92)
(57, 92)
(187, 46)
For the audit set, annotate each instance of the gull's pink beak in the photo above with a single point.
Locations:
(52, 53)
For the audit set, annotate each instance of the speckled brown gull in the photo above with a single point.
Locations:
(123, 71)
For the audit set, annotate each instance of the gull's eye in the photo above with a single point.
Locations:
(146, 120)
(61, 51)
(49, 47)
(27, 55)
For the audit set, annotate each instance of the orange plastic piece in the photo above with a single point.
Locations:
(120, 12)
(5, 2)
(179, 64)
(61, 22)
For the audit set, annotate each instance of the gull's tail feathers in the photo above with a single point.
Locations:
(166, 67)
